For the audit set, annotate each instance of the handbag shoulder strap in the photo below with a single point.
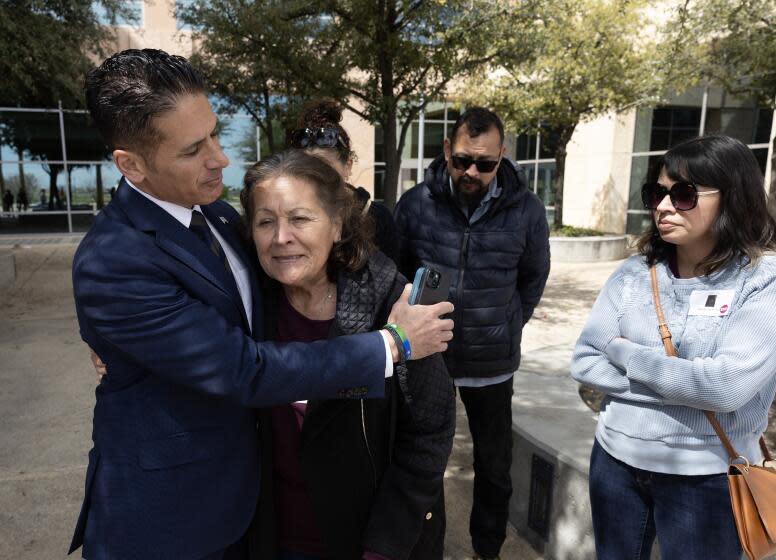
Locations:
(665, 336)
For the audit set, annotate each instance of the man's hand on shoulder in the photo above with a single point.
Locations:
(426, 330)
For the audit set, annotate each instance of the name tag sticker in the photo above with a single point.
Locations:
(711, 303)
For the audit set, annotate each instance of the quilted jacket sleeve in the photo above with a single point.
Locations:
(412, 484)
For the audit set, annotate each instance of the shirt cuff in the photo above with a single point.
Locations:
(388, 354)
(620, 350)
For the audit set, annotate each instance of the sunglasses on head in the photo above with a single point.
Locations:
(462, 163)
(315, 137)
(683, 194)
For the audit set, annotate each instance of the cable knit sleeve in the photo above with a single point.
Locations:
(590, 363)
(742, 364)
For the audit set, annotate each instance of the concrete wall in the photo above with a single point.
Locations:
(362, 140)
(598, 173)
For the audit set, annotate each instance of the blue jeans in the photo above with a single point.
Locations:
(690, 515)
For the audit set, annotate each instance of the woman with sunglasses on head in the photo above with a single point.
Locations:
(320, 133)
(657, 467)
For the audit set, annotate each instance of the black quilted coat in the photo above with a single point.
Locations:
(373, 467)
(499, 264)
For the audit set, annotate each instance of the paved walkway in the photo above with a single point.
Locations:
(47, 388)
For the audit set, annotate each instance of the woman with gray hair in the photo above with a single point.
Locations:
(346, 479)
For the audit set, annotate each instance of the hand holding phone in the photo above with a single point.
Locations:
(430, 286)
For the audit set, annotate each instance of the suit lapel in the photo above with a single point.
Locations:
(176, 240)
(230, 232)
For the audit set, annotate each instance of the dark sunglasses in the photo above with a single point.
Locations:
(683, 194)
(315, 137)
(462, 163)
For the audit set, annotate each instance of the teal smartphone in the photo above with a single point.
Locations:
(430, 286)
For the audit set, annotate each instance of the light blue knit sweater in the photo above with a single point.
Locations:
(652, 415)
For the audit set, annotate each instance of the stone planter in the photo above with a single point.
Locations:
(588, 249)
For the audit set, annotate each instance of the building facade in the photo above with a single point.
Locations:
(606, 164)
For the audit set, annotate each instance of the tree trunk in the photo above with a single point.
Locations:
(268, 122)
(100, 189)
(22, 179)
(560, 172)
(392, 162)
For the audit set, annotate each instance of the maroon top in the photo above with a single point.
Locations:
(297, 529)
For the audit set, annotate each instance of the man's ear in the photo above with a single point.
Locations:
(131, 165)
(447, 149)
(348, 168)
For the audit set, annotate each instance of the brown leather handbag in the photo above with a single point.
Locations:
(752, 487)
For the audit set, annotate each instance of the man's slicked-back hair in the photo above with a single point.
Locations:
(130, 88)
(478, 120)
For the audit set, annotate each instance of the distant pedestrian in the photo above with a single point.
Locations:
(43, 198)
(22, 202)
(658, 468)
(8, 201)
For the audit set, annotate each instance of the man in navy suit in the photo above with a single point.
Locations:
(167, 296)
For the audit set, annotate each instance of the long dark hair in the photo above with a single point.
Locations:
(744, 226)
(355, 246)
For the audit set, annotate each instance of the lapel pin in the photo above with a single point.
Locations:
(223, 220)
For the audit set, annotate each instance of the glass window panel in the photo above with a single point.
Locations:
(453, 112)
(233, 177)
(238, 139)
(637, 223)
(544, 186)
(34, 217)
(761, 155)
(37, 134)
(433, 138)
(661, 116)
(686, 117)
(435, 111)
(93, 186)
(411, 142)
(83, 143)
(526, 147)
(644, 121)
(640, 167)
(762, 134)
(549, 143)
(408, 178)
(379, 146)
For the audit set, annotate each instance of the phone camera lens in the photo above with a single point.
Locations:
(433, 280)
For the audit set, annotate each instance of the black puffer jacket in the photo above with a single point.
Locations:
(373, 467)
(499, 264)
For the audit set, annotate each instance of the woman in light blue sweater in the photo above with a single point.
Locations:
(657, 466)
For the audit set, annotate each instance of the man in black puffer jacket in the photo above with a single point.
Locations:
(475, 218)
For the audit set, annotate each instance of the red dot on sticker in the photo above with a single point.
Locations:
(723, 309)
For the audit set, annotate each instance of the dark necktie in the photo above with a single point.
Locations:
(202, 230)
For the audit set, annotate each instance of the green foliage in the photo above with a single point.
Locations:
(383, 60)
(589, 58)
(732, 42)
(47, 48)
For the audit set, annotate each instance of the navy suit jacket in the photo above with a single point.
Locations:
(174, 471)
